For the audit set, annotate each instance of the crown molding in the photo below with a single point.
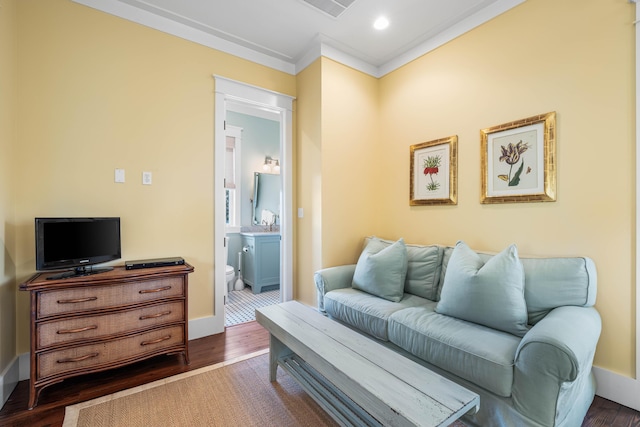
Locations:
(464, 26)
(321, 46)
(178, 29)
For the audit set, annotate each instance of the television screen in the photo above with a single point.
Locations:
(76, 242)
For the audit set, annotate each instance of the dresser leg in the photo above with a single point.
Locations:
(34, 394)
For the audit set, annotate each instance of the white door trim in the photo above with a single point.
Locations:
(281, 106)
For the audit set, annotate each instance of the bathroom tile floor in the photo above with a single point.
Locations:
(241, 305)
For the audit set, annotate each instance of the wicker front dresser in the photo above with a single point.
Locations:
(97, 322)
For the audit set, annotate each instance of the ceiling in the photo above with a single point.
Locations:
(290, 34)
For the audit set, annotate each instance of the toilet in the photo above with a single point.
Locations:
(230, 275)
(230, 272)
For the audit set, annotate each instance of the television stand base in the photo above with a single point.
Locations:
(79, 272)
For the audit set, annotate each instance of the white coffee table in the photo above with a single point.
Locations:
(355, 379)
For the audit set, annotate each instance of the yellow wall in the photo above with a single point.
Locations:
(350, 163)
(338, 140)
(8, 139)
(97, 93)
(572, 57)
(308, 180)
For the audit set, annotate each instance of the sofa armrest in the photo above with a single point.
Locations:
(332, 278)
(554, 360)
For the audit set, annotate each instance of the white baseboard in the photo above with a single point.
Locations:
(205, 326)
(8, 380)
(618, 388)
(25, 366)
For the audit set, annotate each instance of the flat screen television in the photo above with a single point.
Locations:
(77, 244)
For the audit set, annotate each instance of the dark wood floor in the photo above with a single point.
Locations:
(236, 341)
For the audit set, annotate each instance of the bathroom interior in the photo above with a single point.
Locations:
(253, 188)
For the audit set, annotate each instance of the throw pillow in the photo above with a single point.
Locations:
(423, 268)
(381, 270)
(490, 294)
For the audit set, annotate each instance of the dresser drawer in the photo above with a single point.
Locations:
(77, 300)
(91, 327)
(90, 356)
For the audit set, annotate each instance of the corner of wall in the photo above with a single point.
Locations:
(8, 140)
(10, 377)
(617, 388)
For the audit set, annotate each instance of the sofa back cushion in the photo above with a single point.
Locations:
(423, 268)
(489, 293)
(549, 282)
(556, 282)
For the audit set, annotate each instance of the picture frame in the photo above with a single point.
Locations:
(518, 161)
(433, 172)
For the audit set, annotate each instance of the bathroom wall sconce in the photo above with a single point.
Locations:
(271, 165)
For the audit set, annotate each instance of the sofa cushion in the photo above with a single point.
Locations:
(490, 294)
(423, 268)
(381, 270)
(476, 353)
(367, 312)
(549, 282)
(556, 282)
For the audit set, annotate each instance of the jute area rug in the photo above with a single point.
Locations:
(233, 393)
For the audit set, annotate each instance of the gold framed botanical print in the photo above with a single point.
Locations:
(518, 161)
(433, 172)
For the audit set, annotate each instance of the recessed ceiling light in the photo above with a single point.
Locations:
(381, 23)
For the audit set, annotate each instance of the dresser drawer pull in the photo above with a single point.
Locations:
(154, 316)
(156, 341)
(75, 331)
(74, 301)
(78, 359)
(151, 291)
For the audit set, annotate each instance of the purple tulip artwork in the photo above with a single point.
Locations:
(518, 161)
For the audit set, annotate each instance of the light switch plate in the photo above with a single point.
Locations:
(146, 178)
(119, 175)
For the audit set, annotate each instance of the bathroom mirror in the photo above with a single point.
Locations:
(266, 198)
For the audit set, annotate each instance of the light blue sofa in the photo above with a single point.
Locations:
(541, 378)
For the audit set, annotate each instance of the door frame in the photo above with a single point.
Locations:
(281, 107)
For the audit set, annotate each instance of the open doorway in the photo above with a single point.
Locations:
(253, 198)
(233, 96)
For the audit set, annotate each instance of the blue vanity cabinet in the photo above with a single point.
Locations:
(261, 261)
